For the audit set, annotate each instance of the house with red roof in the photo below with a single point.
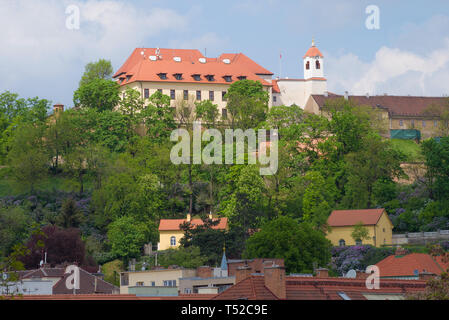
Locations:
(376, 221)
(422, 114)
(274, 284)
(170, 232)
(411, 266)
(188, 74)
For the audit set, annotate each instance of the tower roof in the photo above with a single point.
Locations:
(313, 51)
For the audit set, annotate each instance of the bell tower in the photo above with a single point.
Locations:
(313, 63)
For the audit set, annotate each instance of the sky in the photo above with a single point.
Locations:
(408, 54)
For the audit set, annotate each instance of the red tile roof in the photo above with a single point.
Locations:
(140, 68)
(309, 288)
(313, 52)
(340, 218)
(395, 105)
(173, 224)
(397, 266)
(251, 288)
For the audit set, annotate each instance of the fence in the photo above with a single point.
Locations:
(420, 237)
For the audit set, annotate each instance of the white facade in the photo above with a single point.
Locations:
(298, 91)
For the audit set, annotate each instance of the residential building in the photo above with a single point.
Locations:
(287, 91)
(208, 280)
(274, 284)
(156, 282)
(397, 112)
(170, 232)
(376, 221)
(411, 266)
(181, 73)
(57, 276)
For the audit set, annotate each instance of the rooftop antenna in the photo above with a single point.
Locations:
(205, 52)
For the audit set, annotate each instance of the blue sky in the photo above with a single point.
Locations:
(409, 54)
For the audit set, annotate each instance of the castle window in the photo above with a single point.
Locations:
(163, 76)
(223, 96)
(211, 95)
(358, 242)
(196, 77)
(242, 78)
(186, 94)
(146, 93)
(435, 123)
(424, 123)
(413, 123)
(173, 241)
(198, 95)
(274, 98)
(172, 94)
(210, 77)
(228, 78)
(317, 64)
(342, 243)
(178, 76)
(307, 65)
(401, 123)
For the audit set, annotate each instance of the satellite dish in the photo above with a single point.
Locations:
(202, 60)
(227, 61)
(153, 58)
(177, 59)
(351, 274)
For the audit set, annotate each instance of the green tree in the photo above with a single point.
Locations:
(207, 112)
(189, 257)
(437, 163)
(70, 216)
(247, 104)
(360, 232)
(14, 227)
(99, 94)
(27, 157)
(300, 245)
(101, 69)
(127, 237)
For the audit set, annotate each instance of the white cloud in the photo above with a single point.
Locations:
(40, 56)
(392, 71)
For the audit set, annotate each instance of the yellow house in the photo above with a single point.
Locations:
(376, 221)
(170, 232)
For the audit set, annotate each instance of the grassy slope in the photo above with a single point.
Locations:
(410, 148)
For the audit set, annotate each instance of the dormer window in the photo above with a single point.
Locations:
(178, 76)
(163, 76)
(308, 65)
(196, 77)
(317, 64)
(242, 77)
(228, 78)
(210, 77)
(128, 77)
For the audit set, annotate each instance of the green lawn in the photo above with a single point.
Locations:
(410, 148)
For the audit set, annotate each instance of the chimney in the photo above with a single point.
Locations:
(242, 273)
(400, 252)
(426, 275)
(275, 281)
(322, 273)
(189, 217)
(95, 285)
(346, 95)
